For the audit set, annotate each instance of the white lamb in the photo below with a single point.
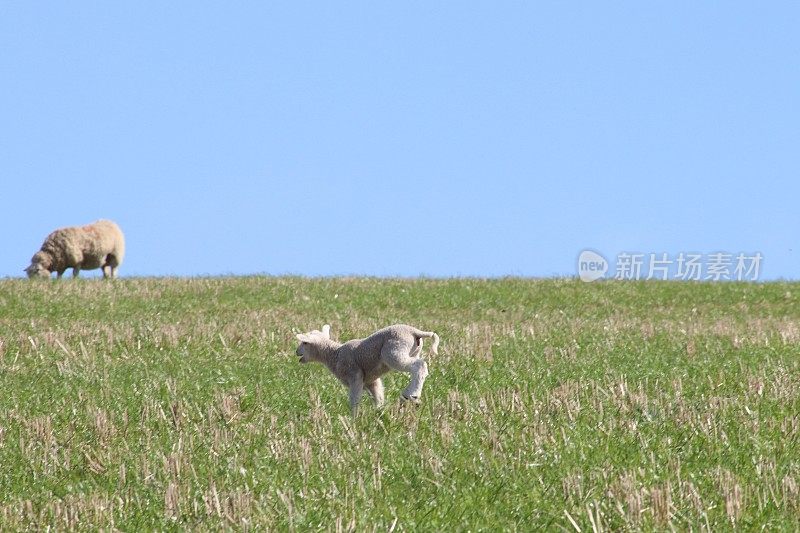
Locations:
(360, 363)
(97, 245)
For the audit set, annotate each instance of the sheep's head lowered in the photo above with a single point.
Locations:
(39, 266)
(308, 350)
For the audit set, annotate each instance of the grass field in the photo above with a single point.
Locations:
(553, 404)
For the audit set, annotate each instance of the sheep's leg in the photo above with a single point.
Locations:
(112, 264)
(60, 273)
(397, 357)
(419, 371)
(375, 390)
(75, 272)
(356, 390)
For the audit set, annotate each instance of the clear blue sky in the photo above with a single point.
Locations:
(401, 138)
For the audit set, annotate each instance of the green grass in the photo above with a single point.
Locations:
(179, 403)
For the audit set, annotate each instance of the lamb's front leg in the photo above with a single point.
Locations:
(376, 391)
(356, 384)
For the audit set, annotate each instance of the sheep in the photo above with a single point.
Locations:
(97, 245)
(360, 363)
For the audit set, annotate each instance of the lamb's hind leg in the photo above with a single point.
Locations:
(419, 371)
(398, 357)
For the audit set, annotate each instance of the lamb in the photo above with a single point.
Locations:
(360, 363)
(97, 245)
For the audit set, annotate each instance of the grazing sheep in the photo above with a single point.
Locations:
(360, 363)
(97, 245)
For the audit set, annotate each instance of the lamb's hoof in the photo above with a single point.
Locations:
(411, 399)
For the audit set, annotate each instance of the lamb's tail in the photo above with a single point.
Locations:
(426, 335)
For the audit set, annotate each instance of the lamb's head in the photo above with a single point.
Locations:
(311, 342)
(39, 267)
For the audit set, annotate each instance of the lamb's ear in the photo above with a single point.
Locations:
(326, 331)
